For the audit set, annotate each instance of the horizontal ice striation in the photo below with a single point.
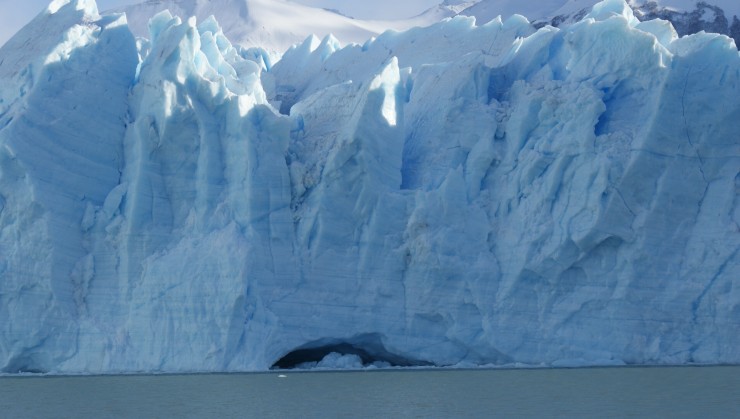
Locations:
(458, 194)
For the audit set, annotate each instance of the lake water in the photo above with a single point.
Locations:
(692, 392)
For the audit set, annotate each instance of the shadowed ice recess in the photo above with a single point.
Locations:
(460, 194)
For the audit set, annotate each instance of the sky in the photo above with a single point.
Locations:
(16, 13)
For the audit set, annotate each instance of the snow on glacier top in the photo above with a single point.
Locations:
(271, 24)
(277, 24)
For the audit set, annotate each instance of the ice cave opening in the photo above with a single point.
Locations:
(25, 364)
(368, 347)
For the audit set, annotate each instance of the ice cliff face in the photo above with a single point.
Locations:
(458, 194)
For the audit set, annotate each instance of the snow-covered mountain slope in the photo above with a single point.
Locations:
(273, 25)
(456, 194)
(687, 16)
(276, 25)
(561, 10)
(446, 9)
(543, 10)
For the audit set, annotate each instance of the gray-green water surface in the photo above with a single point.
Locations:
(691, 392)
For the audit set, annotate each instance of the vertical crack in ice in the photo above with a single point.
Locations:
(683, 105)
(624, 201)
(493, 42)
(686, 125)
(697, 302)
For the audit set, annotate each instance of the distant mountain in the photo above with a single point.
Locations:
(274, 25)
(687, 16)
(719, 16)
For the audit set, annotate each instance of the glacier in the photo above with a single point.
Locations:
(459, 194)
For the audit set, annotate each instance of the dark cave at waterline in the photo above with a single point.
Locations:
(367, 347)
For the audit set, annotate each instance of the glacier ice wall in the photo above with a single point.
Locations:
(63, 104)
(458, 194)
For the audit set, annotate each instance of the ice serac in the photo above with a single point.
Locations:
(452, 195)
(201, 218)
(63, 100)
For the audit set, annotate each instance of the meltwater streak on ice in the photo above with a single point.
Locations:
(454, 195)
